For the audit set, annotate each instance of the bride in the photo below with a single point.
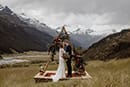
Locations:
(60, 73)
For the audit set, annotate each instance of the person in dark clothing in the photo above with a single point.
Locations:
(68, 50)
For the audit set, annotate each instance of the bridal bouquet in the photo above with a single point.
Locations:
(66, 56)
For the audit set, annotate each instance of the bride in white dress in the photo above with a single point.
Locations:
(60, 73)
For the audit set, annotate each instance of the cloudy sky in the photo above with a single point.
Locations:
(100, 15)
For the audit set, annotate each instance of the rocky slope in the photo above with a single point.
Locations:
(17, 35)
(113, 46)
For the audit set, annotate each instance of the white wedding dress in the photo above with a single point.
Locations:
(60, 73)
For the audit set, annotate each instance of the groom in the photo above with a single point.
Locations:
(68, 50)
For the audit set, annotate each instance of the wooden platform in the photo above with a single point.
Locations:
(47, 76)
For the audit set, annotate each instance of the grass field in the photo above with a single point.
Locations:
(114, 73)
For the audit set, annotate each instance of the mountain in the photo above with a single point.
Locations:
(18, 35)
(82, 37)
(113, 46)
(37, 24)
(44, 28)
(85, 39)
(87, 36)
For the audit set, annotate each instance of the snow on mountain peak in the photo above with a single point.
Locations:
(1, 7)
(27, 19)
(94, 30)
(6, 9)
(71, 29)
(36, 23)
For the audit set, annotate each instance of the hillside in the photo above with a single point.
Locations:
(17, 35)
(87, 39)
(113, 46)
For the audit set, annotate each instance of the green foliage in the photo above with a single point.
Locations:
(79, 48)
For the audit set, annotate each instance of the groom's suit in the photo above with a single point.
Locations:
(68, 50)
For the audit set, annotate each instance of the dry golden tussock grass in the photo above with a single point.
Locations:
(114, 73)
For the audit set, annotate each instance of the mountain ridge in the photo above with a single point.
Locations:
(19, 35)
(113, 46)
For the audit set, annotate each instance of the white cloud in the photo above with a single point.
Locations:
(100, 15)
(107, 29)
(58, 19)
